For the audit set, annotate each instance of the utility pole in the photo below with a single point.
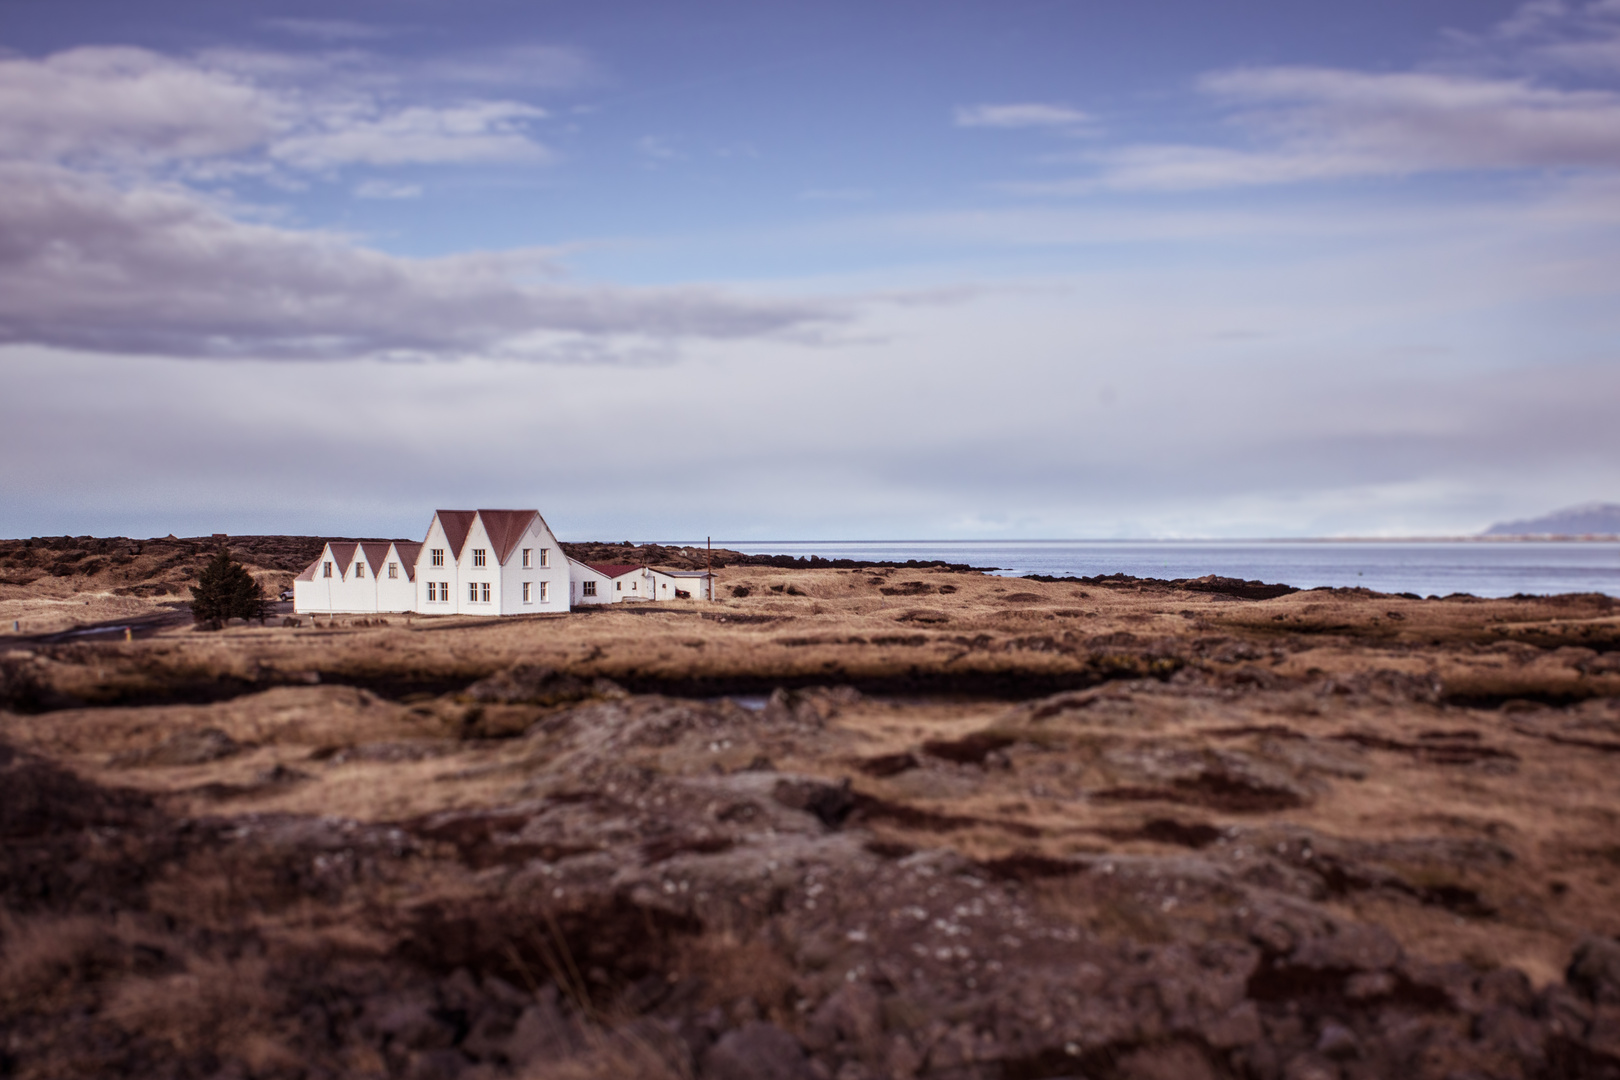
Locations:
(709, 578)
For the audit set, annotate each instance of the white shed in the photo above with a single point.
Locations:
(683, 584)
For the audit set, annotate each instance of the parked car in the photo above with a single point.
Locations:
(286, 594)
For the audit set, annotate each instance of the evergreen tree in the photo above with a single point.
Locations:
(225, 590)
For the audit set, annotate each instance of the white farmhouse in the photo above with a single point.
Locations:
(490, 562)
(478, 562)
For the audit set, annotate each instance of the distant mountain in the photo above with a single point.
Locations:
(1602, 519)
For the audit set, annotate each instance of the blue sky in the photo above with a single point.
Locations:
(808, 271)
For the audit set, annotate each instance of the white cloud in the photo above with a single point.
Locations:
(387, 189)
(126, 103)
(1327, 123)
(133, 107)
(477, 132)
(1021, 115)
(85, 265)
(1533, 18)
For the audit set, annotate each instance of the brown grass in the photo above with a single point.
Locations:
(1477, 827)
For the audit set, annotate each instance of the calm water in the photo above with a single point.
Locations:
(1425, 568)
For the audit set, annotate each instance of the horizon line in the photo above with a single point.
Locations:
(1476, 538)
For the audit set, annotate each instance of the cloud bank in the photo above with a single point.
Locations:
(1516, 99)
(107, 244)
(85, 265)
(130, 107)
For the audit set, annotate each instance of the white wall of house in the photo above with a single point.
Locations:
(436, 564)
(396, 592)
(578, 574)
(315, 595)
(547, 573)
(354, 589)
(480, 574)
(350, 580)
(636, 585)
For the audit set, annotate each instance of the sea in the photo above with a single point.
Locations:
(1424, 567)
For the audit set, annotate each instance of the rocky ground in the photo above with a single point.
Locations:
(842, 824)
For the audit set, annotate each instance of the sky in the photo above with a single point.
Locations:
(768, 270)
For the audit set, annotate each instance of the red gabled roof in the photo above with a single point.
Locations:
(505, 529)
(309, 572)
(376, 553)
(456, 525)
(409, 552)
(613, 570)
(343, 555)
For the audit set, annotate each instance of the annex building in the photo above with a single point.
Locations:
(478, 562)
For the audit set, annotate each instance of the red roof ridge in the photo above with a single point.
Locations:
(613, 570)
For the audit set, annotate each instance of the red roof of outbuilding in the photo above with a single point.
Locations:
(309, 572)
(614, 569)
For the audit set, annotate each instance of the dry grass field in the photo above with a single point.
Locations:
(840, 824)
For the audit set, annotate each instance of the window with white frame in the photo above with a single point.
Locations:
(542, 592)
(480, 557)
(433, 591)
(526, 590)
(618, 586)
(528, 558)
(472, 591)
(393, 570)
(359, 569)
(444, 592)
(588, 589)
(438, 556)
(327, 572)
(486, 592)
(545, 557)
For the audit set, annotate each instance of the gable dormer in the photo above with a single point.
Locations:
(342, 556)
(456, 524)
(506, 530)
